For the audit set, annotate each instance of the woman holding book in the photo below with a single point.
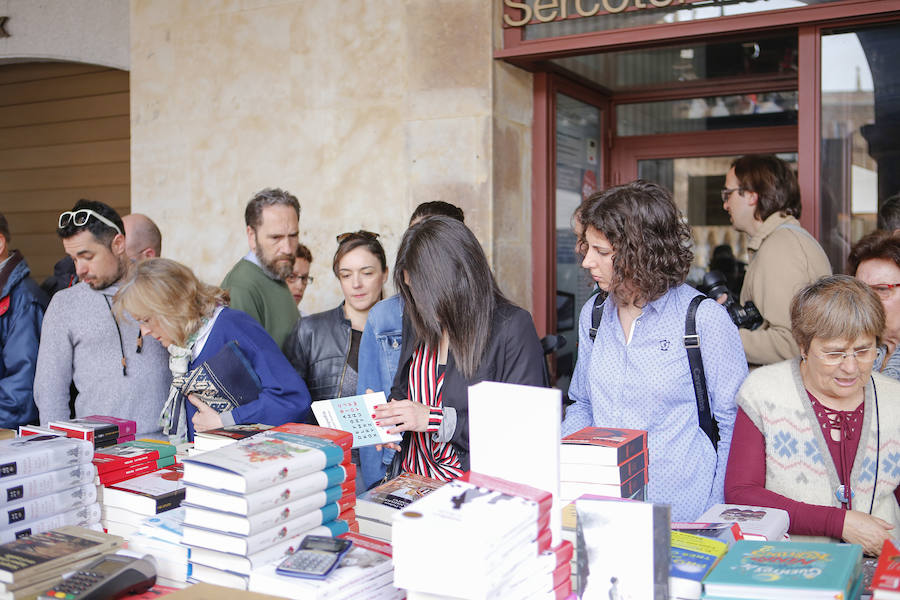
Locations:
(635, 373)
(816, 436)
(461, 330)
(231, 369)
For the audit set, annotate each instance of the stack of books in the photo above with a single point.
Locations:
(204, 441)
(376, 507)
(250, 503)
(494, 532)
(102, 431)
(603, 462)
(366, 571)
(787, 570)
(692, 558)
(33, 564)
(46, 482)
(127, 503)
(756, 522)
(160, 536)
(131, 459)
(623, 548)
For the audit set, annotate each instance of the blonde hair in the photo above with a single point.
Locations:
(169, 291)
(834, 307)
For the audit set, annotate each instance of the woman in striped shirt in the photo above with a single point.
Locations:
(459, 329)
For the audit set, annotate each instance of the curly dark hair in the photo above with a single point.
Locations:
(878, 244)
(651, 240)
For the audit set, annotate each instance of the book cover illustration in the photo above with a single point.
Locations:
(402, 490)
(236, 432)
(887, 573)
(354, 414)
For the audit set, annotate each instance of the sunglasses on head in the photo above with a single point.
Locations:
(80, 218)
(362, 233)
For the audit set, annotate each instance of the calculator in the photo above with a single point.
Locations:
(109, 577)
(316, 558)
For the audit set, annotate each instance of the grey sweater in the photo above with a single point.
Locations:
(79, 343)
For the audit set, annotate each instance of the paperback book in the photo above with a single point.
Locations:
(786, 571)
(692, 556)
(354, 414)
(602, 445)
(51, 504)
(148, 494)
(21, 457)
(82, 516)
(886, 580)
(45, 551)
(756, 522)
(99, 433)
(127, 427)
(381, 502)
(21, 489)
(204, 441)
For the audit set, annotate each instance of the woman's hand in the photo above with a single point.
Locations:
(866, 530)
(403, 415)
(205, 418)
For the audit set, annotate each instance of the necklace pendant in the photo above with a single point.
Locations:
(841, 494)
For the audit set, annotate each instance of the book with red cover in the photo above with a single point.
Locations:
(99, 433)
(344, 439)
(118, 457)
(563, 551)
(602, 445)
(126, 427)
(120, 475)
(542, 498)
(886, 579)
(369, 543)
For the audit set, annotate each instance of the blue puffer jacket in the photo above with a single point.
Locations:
(22, 306)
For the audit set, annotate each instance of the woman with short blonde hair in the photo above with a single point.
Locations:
(192, 320)
(814, 434)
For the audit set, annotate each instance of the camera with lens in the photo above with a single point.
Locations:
(746, 316)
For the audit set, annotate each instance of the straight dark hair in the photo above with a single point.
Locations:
(774, 182)
(450, 286)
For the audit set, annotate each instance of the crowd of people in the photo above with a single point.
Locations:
(799, 409)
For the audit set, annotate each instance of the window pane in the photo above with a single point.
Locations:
(860, 153)
(704, 114)
(578, 135)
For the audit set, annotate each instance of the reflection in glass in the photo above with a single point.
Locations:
(860, 152)
(705, 114)
(578, 135)
(689, 62)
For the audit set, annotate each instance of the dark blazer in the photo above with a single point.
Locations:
(513, 355)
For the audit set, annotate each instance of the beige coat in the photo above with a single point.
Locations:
(783, 258)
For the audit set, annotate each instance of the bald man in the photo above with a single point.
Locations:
(142, 237)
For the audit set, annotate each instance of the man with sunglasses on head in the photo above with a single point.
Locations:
(762, 197)
(115, 371)
(257, 282)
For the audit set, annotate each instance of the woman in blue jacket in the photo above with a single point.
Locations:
(192, 320)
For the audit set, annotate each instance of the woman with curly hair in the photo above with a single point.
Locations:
(634, 373)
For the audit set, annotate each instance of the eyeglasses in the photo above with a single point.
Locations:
(727, 192)
(884, 289)
(863, 355)
(80, 217)
(304, 279)
(362, 233)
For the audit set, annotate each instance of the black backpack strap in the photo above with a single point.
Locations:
(695, 362)
(597, 312)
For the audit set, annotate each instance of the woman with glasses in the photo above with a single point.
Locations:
(300, 277)
(228, 366)
(815, 435)
(875, 260)
(324, 347)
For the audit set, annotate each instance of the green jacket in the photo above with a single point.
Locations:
(267, 300)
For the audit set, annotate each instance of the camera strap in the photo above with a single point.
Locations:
(698, 376)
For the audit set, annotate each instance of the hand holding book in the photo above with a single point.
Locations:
(206, 417)
(404, 415)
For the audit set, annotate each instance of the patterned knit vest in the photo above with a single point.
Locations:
(798, 463)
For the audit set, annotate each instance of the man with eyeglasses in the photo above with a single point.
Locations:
(257, 282)
(115, 371)
(22, 306)
(762, 198)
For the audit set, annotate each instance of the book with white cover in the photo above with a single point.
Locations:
(206, 574)
(27, 488)
(374, 528)
(24, 456)
(270, 497)
(198, 516)
(257, 463)
(48, 505)
(244, 545)
(623, 548)
(756, 522)
(365, 565)
(242, 565)
(354, 414)
(171, 559)
(81, 516)
(533, 441)
(148, 494)
(167, 526)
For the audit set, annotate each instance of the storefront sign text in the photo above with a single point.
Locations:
(545, 11)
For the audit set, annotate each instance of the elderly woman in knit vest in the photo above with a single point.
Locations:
(814, 435)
